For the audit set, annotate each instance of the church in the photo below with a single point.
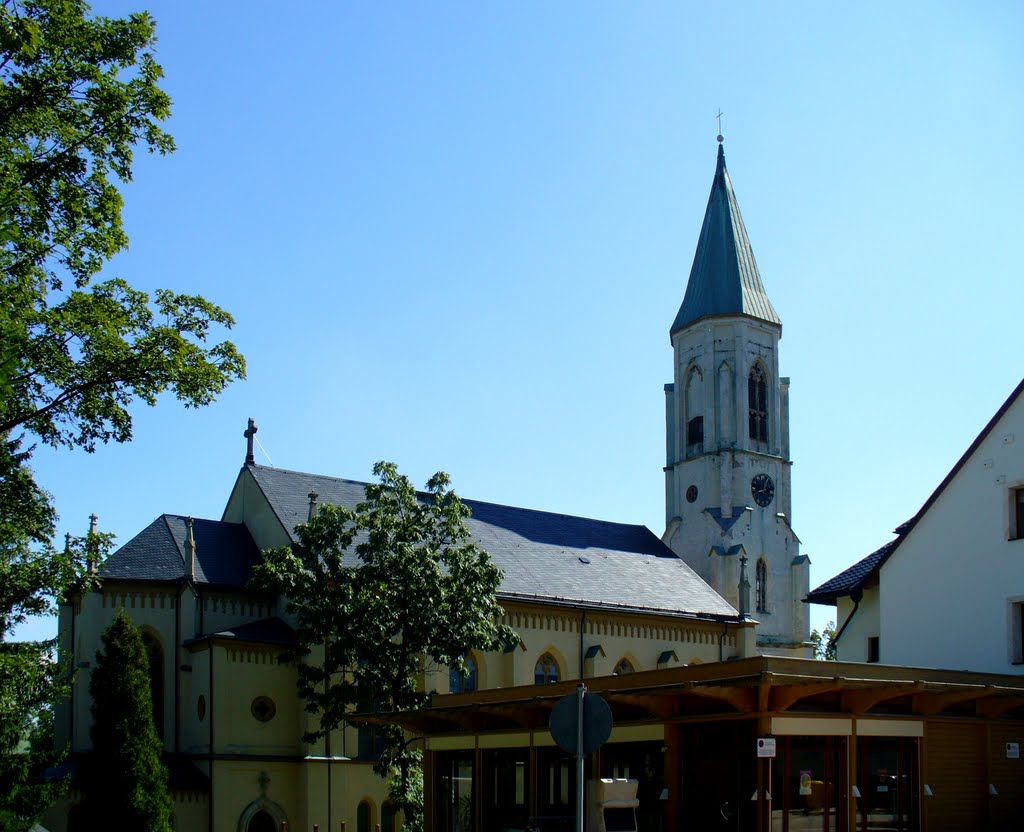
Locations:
(697, 640)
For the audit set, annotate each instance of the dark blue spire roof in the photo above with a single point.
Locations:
(724, 279)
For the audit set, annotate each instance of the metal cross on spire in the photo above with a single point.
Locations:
(721, 138)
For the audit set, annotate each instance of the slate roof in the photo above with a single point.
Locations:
(265, 631)
(858, 574)
(225, 553)
(724, 279)
(545, 556)
(852, 577)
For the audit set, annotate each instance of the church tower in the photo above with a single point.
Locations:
(727, 476)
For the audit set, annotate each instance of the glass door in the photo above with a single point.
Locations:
(887, 784)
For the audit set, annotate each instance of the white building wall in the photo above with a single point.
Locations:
(950, 583)
(852, 645)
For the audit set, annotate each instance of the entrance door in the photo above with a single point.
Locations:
(455, 808)
(888, 784)
(807, 792)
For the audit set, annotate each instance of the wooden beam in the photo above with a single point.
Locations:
(862, 701)
(929, 704)
(657, 707)
(743, 699)
(784, 697)
(996, 706)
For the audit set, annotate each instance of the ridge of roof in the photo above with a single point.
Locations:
(857, 574)
(468, 500)
(543, 555)
(724, 279)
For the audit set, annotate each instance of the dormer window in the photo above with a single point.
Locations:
(757, 402)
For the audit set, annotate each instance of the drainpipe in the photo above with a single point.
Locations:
(856, 594)
(583, 627)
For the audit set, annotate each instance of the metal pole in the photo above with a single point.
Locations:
(580, 693)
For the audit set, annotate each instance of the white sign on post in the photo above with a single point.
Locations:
(766, 746)
(1013, 750)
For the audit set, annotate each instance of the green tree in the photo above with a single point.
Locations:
(78, 96)
(125, 783)
(825, 642)
(379, 592)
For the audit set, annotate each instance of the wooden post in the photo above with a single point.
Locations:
(343, 826)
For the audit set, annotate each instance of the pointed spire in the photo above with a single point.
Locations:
(744, 589)
(190, 550)
(724, 279)
(90, 544)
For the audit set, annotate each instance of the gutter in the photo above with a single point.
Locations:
(856, 595)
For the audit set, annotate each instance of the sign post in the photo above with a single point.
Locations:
(580, 724)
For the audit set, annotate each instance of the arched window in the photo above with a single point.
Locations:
(459, 683)
(761, 585)
(757, 403)
(363, 817)
(262, 821)
(694, 407)
(624, 667)
(156, 679)
(387, 818)
(546, 670)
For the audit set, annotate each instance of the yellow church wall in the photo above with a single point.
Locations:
(195, 729)
(639, 638)
(349, 783)
(241, 674)
(237, 787)
(248, 504)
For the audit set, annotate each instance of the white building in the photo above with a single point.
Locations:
(949, 590)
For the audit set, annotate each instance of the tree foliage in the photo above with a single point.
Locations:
(825, 642)
(126, 782)
(79, 95)
(380, 592)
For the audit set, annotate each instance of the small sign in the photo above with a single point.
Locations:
(1013, 750)
(766, 746)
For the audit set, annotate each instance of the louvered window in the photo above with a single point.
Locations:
(757, 402)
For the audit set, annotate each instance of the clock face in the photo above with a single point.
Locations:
(763, 489)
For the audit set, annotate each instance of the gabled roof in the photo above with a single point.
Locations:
(546, 557)
(724, 279)
(225, 553)
(858, 574)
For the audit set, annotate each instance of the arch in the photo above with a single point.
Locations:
(694, 406)
(364, 815)
(757, 402)
(546, 670)
(256, 815)
(623, 667)
(387, 817)
(761, 585)
(465, 682)
(155, 655)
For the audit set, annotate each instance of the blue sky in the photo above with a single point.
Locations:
(455, 236)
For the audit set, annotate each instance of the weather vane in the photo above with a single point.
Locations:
(721, 138)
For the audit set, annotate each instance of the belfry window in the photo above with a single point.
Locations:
(694, 407)
(761, 586)
(546, 670)
(757, 402)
